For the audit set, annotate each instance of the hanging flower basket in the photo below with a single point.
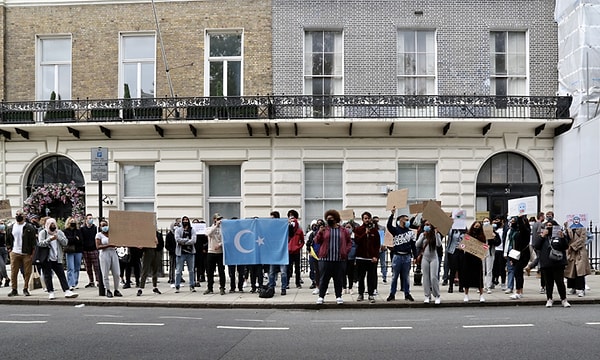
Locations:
(41, 197)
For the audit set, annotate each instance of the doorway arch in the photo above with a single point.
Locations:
(47, 173)
(505, 176)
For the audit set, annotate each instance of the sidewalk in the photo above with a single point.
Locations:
(295, 298)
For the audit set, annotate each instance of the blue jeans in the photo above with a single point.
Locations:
(401, 267)
(510, 281)
(189, 259)
(273, 276)
(73, 266)
(383, 262)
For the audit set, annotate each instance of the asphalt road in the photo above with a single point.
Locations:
(67, 332)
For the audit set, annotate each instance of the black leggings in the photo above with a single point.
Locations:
(555, 275)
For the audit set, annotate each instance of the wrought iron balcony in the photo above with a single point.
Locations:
(285, 107)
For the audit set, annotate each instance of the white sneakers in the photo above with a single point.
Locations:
(70, 295)
(549, 303)
(315, 292)
(51, 295)
(516, 296)
(438, 300)
(320, 300)
(481, 299)
(565, 303)
(580, 293)
(466, 298)
(426, 301)
(339, 301)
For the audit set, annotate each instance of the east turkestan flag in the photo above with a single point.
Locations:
(255, 241)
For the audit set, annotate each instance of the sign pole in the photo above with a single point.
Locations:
(100, 173)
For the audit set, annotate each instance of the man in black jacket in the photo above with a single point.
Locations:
(90, 253)
(21, 238)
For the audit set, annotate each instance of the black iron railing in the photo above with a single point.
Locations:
(285, 107)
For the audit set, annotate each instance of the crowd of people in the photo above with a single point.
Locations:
(345, 253)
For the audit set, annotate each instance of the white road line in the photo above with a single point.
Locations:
(592, 323)
(331, 321)
(23, 322)
(109, 316)
(254, 320)
(30, 315)
(496, 326)
(378, 328)
(129, 324)
(180, 317)
(410, 320)
(251, 328)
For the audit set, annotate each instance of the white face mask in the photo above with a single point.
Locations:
(486, 223)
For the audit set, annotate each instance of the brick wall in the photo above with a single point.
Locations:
(370, 27)
(95, 34)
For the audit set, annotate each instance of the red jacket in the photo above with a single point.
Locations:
(367, 242)
(322, 239)
(296, 241)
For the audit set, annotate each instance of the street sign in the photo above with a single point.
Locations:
(99, 164)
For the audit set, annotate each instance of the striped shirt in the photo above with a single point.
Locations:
(334, 253)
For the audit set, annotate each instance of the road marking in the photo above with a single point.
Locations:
(110, 316)
(592, 323)
(180, 317)
(30, 315)
(23, 322)
(254, 320)
(331, 321)
(496, 326)
(378, 328)
(129, 324)
(251, 328)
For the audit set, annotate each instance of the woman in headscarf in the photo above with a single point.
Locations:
(54, 239)
(471, 272)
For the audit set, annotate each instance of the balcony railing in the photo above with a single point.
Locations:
(285, 107)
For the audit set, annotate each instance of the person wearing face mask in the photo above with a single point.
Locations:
(404, 249)
(313, 261)
(499, 270)
(109, 260)
(21, 238)
(428, 241)
(185, 237)
(295, 245)
(471, 272)
(518, 239)
(214, 258)
(335, 245)
(488, 261)
(3, 255)
(368, 243)
(54, 239)
(74, 252)
(90, 252)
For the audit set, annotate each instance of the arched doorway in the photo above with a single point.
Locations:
(502, 177)
(50, 198)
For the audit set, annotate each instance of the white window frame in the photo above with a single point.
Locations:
(337, 78)
(224, 59)
(324, 200)
(231, 199)
(39, 93)
(525, 76)
(135, 93)
(400, 69)
(412, 197)
(124, 200)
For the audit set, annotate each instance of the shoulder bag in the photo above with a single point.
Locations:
(555, 255)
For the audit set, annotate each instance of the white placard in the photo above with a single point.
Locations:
(523, 206)
(200, 228)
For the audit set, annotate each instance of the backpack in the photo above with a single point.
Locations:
(266, 292)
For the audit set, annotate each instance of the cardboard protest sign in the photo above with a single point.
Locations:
(132, 228)
(420, 207)
(200, 228)
(5, 210)
(488, 231)
(437, 217)
(347, 214)
(474, 246)
(523, 206)
(397, 199)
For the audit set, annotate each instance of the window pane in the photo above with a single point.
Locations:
(56, 50)
(139, 180)
(323, 58)
(225, 180)
(139, 206)
(139, 47)
(64, 82)
(322, 188)
(227, 209)
(147, 80)
(419, 179)
(234, 78)
(130, 78)
(499, 166)
(225, 44)
(216, 78)
(48, 75)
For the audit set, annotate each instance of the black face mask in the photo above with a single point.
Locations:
(52, 228)
(330, 222)
(19, 218)
(73, 225)
(185, 224)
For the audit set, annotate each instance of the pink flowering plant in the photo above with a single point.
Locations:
(41, 197)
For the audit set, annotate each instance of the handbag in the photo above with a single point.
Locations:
(514, 254)
(40, 255)
(555, 255)
(36, 280)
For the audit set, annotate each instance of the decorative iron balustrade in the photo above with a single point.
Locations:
(285, 107)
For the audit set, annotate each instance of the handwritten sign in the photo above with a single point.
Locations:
(474, 246)
(488, 230)
(347, 214)
(5, 210)
(397, 199)
(523, 206)
(132, 228)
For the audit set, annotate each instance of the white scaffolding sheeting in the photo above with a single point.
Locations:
(579, 55)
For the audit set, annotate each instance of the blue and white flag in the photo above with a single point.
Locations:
(255, 241)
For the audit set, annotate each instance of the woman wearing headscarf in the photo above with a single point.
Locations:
(54, 239)
(427, 243)
(518, 239)
(553, 269)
